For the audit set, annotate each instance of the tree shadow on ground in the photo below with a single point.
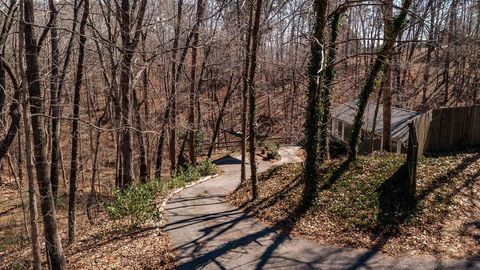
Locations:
(396, 206)
(395, 202)
(394, 210)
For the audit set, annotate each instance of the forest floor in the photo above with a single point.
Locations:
(106, 244)
(102, 243)
(357, 206)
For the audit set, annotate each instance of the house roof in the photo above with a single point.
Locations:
(400, 118)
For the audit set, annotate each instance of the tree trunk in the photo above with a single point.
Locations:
(54, 250)
(252, 121)
(161, 142)
(54, 99)
(141, 143)
(32, 194)
(129, 45)
(387, 81)
(372, 78)
(14, 113)
(173, 93)
(329, 78)
(428, 59)
(243, 174)
(5, 68)
(314, 111)
(75, 131)
(193, 73)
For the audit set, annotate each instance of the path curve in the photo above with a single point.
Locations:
(209, 233)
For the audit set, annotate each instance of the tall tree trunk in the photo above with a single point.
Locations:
(125, 77)
(252, 121)
(193, 73)
(14, 113)
(329, 78)
(54, 99)
(75, 131)
(448, 51)
(129, 45)
(243, 174)
(161, 142)
(428, 58)
(54, 250)
(372, 78)
(4, 69)
(173, 93)
(387, 81)
(32, 194)
(314, 111)
(143, 170)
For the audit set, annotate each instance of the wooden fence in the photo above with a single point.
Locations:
(448, 129)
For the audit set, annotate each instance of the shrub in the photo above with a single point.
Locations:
(135, 203)
(206, 167)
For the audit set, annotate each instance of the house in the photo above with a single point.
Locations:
(344, 115)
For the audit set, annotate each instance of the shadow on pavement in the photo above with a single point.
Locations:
(268, 253)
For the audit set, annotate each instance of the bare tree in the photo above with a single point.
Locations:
(54, 249)
(75, 131)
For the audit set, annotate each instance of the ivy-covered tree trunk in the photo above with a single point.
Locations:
(314, 111)
(329, 78)
(373, 78)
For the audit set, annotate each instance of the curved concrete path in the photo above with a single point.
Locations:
(209, 233)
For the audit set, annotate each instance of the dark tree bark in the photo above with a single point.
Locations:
(54, 99)
(173, 93)
(161, 144)
(314, 111)
(129, 45)
(14, 112)
(32, 194)
(448, 51)
(387, 81)
(54, 250)
(243, 174)
(252, 121)
(143, 170)
(329, 80)
(4, 69)
(75, 131)
(193, 73)
(428, 58)
(6, 26)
